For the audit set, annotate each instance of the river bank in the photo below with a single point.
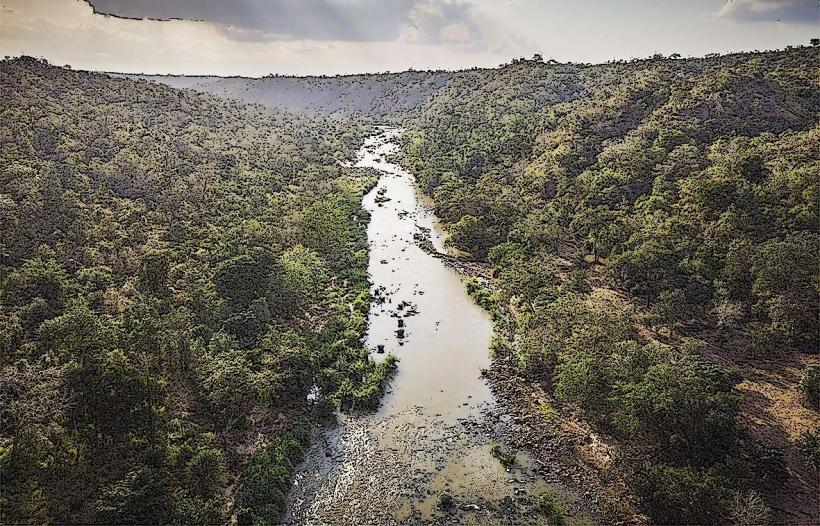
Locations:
(562, 447)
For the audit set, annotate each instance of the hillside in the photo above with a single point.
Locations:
(177, 274)
(653, 232)
(379, 96)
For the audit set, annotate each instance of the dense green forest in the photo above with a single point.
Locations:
(178, 275)
(636, 214)
(183, 277)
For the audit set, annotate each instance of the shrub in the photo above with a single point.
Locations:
(153, 270)
(671, 308)
(686, 410)
(445, 500)
(481, 294)
(683, 495)
(194, 510)
(206, 473)
(808, 444)
(265, 480)
(749, 509)
(583, 378)
(141, 497)
(810, 385)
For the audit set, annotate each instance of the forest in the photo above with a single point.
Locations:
(184, 286)
(179, 274)
(644, 221)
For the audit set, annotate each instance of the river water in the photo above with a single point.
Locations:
(435, 430)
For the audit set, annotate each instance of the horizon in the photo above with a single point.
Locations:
(254, 39)
(510, 62)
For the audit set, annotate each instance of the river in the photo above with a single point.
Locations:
(436, 427)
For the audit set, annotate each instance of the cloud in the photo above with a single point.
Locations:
(448, 23)
(433, 21)
(515, 45)
(787, 11)
(346, 20)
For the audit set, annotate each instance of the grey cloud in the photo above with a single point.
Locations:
(788, 11)
(346, 20)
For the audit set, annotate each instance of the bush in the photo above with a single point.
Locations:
(683, 495)
(142, 496)
(810, 385)
(198, 511)
(369, 394)
(808, 444)
(351, 395)
(481, 295)
(749, 509)
(206, 473)
(153, 270)
(771, 463)
(445, 500)
(266, 478)
(583, 379)
(686, 410)
(671, 308)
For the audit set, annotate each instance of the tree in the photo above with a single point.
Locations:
(786, 284)
(299, 281)
(139, 226)
(142, 496)
(528, 277)
(206, 472)
(728, 315)
(593, 224)
(113, 398)
(240, 280)
(671, 308)
(37, 279)
(471, 234)
(583, 378)
(153, 271)
(648, 268)
(683, 411)
(325, 228)
(77, 334)
(228, 378)
(684, 495)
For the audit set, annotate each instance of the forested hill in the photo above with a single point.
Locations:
(653, 229)
(380, 96)
(177, 274)
(530, 83)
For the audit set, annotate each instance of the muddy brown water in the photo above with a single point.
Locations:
(437, 425)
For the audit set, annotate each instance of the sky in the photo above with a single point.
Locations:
(305, 37)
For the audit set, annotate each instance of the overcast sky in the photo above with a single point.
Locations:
(259, 37)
